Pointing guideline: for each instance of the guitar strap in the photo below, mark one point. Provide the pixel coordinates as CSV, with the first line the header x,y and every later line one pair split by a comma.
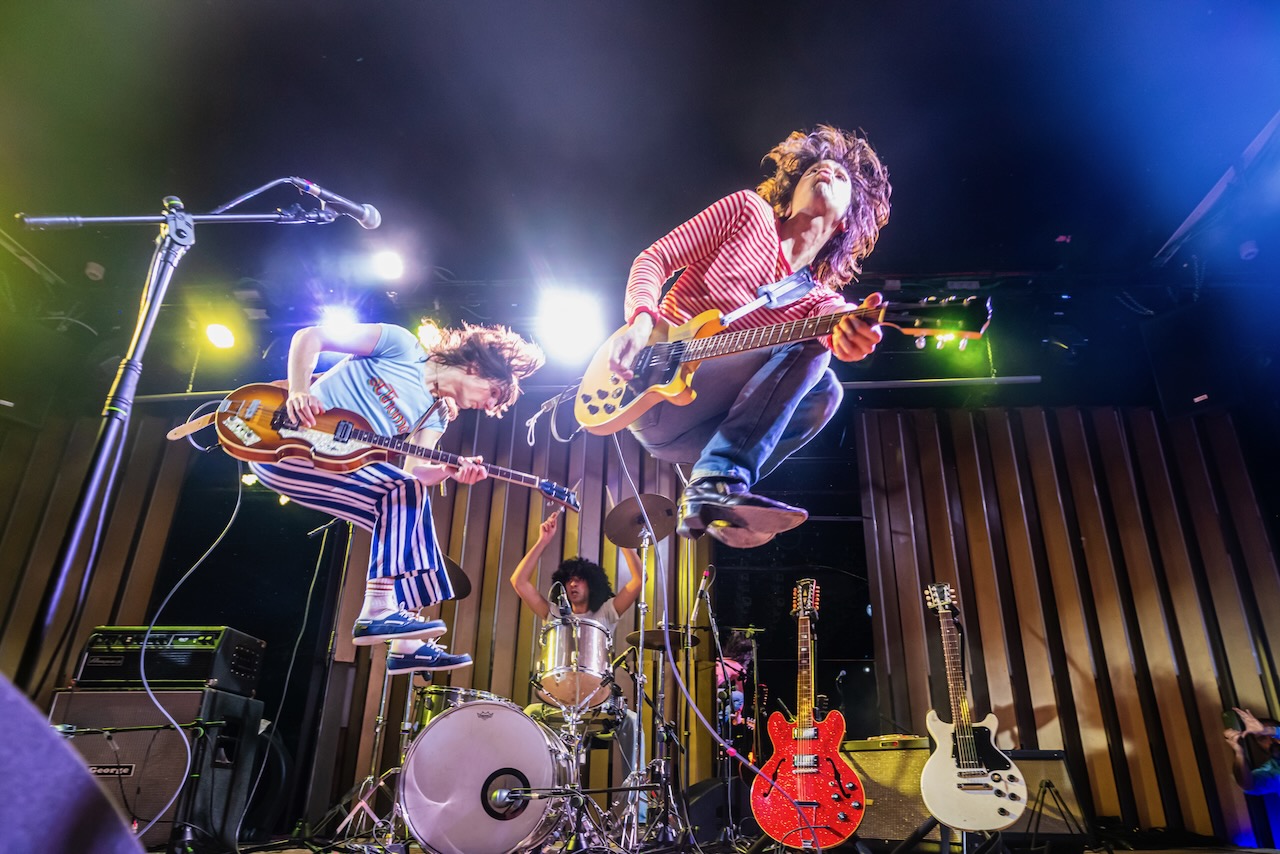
x,y
186,429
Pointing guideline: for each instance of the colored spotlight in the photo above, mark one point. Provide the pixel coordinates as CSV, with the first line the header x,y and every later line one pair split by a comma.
x,y
220,336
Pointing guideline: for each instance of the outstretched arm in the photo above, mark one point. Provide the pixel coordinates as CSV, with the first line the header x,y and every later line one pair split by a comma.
x,y
626,597
522,579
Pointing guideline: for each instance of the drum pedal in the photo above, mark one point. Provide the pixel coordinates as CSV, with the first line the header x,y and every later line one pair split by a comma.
x,y
377,847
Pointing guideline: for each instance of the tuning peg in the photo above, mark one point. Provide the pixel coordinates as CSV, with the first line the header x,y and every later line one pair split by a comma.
x,y
964,342
919,342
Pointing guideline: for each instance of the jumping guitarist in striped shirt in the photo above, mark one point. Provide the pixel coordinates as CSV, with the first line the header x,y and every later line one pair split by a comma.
x,y
820,213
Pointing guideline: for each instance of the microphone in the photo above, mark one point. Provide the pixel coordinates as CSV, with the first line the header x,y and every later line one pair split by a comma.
x,y
366,215
562,600
702,591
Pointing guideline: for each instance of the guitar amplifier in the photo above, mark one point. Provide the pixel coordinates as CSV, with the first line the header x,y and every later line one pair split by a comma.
x,y
890,769
175,658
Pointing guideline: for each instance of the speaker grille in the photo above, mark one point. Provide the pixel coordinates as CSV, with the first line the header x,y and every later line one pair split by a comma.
x,y
890,771
141,769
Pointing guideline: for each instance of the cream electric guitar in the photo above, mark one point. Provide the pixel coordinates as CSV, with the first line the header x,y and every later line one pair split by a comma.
x,y
968,783
664,368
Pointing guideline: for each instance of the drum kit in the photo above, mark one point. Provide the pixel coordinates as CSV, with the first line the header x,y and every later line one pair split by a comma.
x,y
479,775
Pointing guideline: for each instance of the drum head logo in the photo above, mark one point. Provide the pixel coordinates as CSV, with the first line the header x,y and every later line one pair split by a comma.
x,y
484,714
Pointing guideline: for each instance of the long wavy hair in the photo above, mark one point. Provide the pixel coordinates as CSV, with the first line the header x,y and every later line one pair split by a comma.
x,y
838,262
493,352
599,590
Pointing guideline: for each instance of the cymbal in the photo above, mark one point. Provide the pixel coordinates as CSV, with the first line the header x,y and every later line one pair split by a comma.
x,y
625,523
457,578
656,638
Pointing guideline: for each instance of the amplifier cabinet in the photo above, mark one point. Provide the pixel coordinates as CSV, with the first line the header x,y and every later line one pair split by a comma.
x,y
141,769
176,657
890,771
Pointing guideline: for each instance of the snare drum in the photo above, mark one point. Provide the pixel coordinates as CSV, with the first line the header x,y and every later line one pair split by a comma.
x,y
455,767
574,664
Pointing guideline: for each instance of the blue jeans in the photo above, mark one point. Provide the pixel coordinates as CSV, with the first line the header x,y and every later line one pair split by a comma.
x,y
752,411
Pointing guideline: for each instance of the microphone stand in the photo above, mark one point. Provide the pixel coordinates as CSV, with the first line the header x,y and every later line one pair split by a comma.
x,y
177,235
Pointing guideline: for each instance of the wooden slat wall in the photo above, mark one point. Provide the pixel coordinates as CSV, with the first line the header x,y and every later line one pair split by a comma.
x,y
43,473
1112,565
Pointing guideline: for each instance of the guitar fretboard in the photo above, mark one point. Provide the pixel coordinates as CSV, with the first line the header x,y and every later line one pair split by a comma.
x,y
404,446
961,716
724,343
804,679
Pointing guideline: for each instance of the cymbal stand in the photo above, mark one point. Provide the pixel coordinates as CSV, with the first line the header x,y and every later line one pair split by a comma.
x,y
668,825
631,816
364,792
725,727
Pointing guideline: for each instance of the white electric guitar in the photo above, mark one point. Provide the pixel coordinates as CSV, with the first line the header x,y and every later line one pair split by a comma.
x,y
968,783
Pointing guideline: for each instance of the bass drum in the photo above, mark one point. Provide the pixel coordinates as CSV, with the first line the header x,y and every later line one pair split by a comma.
x,y
461,759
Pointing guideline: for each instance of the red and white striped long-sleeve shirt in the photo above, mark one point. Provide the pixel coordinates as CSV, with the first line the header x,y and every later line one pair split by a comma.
x,y
727,252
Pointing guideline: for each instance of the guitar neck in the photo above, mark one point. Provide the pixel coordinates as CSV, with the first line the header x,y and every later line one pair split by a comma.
x,y
804,679
404,446
725,343
961,715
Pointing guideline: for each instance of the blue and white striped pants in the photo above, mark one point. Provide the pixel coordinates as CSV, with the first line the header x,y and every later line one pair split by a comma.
x,y
390,504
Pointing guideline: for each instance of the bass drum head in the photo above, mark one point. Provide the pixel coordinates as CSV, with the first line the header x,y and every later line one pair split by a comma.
x,y
457,763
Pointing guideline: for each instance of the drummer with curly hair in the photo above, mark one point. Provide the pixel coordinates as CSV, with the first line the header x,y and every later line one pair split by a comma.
x,y
590,597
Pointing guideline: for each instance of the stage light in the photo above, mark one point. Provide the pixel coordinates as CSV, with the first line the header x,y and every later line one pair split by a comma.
x,y
220,336
284,499
339,320
249,479
387,265
429,334
570,325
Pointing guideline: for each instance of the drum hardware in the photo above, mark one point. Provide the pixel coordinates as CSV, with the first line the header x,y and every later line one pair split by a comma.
x,y
363,794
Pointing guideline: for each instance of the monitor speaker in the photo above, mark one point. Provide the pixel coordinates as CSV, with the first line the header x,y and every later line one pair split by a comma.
x,y
141,761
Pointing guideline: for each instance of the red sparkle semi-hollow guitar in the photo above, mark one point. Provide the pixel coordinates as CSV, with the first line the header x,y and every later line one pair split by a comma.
x,y
252,425
807,763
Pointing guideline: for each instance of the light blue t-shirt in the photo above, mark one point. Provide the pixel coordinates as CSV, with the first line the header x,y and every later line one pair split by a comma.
x,y
386,386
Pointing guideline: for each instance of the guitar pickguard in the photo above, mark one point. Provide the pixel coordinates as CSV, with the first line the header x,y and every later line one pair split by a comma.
x,y
324,443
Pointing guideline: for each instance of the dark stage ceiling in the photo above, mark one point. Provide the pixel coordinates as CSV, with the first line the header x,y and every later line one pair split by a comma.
x,y
1034,147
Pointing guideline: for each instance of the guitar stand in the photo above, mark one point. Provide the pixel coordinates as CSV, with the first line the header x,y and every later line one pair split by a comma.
x,y
1036,813
917,836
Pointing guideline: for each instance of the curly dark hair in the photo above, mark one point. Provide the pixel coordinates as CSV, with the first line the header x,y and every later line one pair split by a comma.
x,y
838,261
493,352
737,647
599,589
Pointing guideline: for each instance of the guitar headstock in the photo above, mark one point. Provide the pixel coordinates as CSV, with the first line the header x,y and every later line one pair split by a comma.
x,y
804,598
562,495
938,597
946,318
